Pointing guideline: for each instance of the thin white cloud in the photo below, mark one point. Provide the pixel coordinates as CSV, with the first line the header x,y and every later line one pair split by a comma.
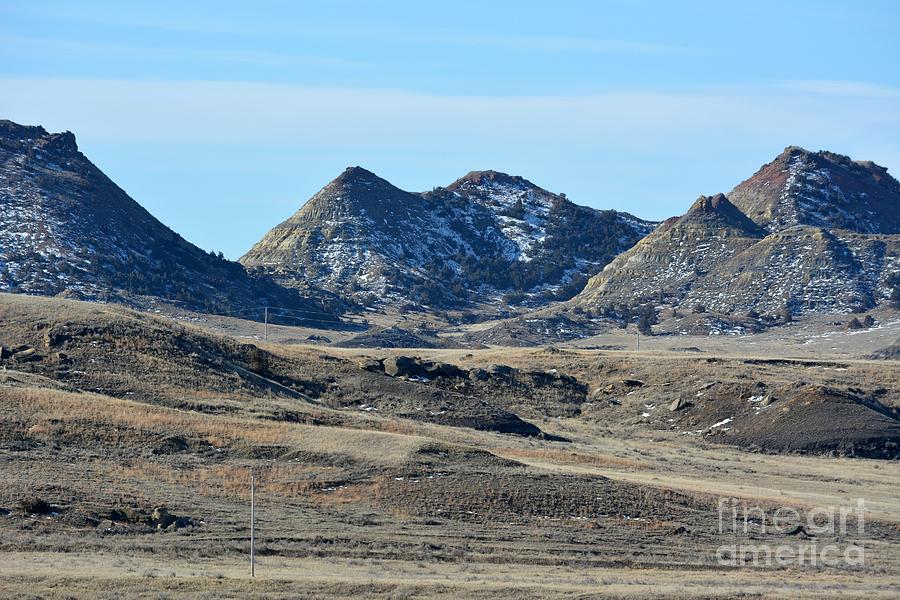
x,y
32,43
117,19
287,28
558,44
363,124
844,88
244,111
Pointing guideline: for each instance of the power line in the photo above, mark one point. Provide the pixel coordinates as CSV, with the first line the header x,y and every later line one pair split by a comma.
x,y
260,309
278,311
297,310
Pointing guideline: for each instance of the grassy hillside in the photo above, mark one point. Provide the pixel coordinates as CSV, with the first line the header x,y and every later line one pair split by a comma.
x,y
127,441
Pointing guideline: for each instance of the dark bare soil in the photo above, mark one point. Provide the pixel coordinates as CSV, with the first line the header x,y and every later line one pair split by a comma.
x,y
820,420
394,337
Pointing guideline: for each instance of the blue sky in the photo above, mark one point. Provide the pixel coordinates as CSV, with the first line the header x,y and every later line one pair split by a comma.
x,y
223,118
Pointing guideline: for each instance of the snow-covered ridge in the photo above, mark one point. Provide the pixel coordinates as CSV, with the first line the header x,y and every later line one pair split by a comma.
x,y
821,189
522,211
481,237
810,197
816,243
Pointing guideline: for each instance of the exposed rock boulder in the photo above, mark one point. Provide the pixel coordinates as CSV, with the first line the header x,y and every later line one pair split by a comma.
x,y
26,355
159,518
162,518
403,366
406,366
500,370
479,375
20,354
442,369
679,404
36,506
372,365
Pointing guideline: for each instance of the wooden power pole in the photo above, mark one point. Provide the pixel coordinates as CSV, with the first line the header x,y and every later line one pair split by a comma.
x,y
252,523
266,319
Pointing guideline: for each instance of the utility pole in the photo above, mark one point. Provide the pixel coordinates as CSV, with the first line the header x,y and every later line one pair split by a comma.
x,y
637,337
266,318
252,523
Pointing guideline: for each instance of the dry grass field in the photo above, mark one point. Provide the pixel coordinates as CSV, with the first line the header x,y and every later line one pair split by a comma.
x,y
127,441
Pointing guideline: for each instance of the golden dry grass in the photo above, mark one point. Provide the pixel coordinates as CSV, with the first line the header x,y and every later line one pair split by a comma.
x,y
230,480
277,577
55,413
566,457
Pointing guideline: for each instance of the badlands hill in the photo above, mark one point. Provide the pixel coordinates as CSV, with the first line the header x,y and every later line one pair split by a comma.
x,y
810,232
821,189
67,229
484,237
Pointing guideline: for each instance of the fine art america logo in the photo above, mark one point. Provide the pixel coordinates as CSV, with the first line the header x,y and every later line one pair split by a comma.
x,y
817,540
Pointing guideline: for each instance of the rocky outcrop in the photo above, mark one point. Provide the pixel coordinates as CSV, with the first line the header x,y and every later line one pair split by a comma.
x,y
821,189
19,354
538,392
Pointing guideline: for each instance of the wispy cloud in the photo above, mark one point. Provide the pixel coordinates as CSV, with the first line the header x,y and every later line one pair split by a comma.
x,y
558,44
236,111
210,23
254,57
644,151
365,124
292,29
843,88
